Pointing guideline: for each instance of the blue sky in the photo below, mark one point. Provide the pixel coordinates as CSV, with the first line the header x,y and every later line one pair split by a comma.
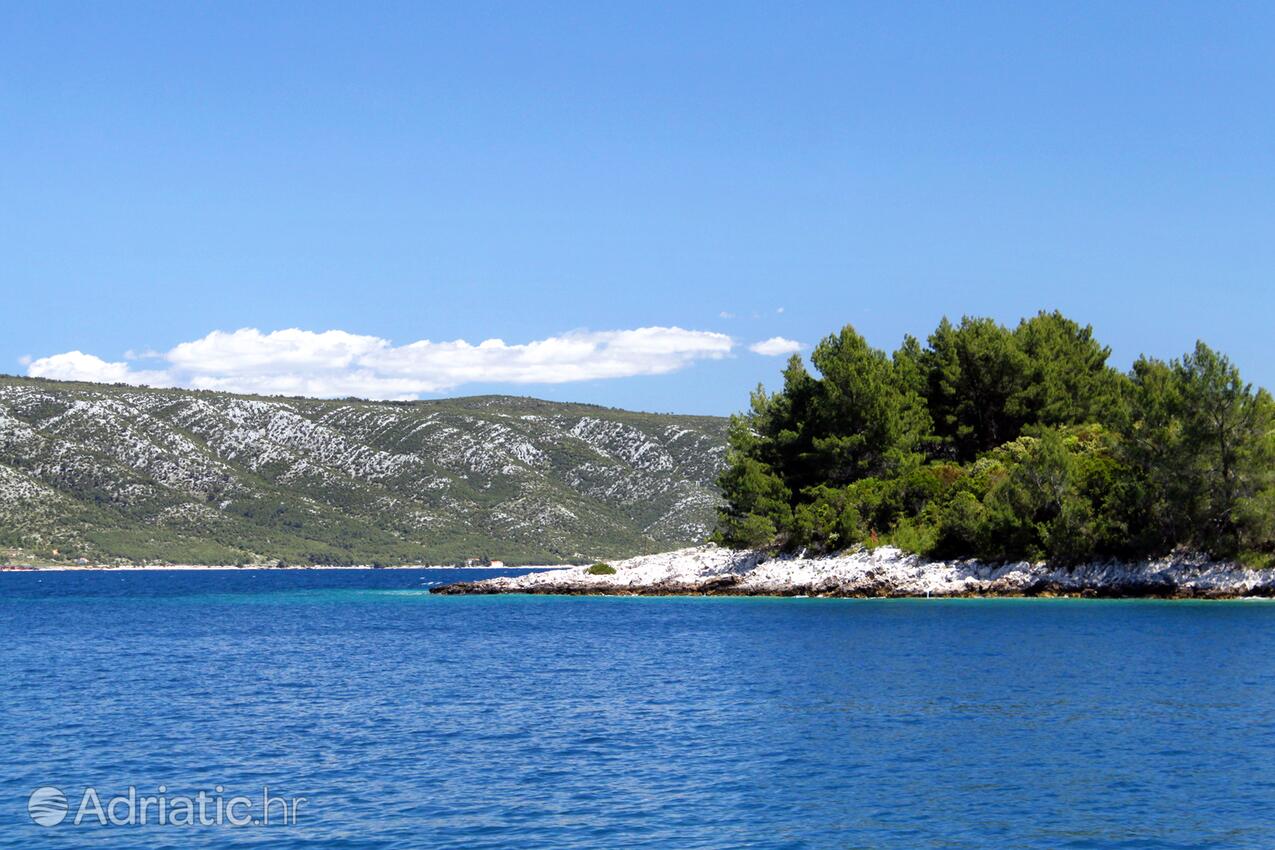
x,y
549,174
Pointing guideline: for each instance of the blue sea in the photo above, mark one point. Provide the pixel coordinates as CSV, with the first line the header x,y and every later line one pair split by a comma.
x,y
406,720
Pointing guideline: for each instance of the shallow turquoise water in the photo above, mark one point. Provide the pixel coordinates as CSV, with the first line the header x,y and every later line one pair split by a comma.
x,y
411,721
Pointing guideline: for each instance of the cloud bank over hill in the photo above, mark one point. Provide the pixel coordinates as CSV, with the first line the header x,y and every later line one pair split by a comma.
x,y
337,363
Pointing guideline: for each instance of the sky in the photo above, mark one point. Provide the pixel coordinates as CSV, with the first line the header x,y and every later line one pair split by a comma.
x,y
638,205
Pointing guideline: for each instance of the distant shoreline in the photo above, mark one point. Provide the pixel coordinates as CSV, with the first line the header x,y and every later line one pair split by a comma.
x,y
308,482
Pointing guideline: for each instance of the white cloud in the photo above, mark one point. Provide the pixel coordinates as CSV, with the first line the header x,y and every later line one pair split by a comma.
x,y
726,314
78,366
775,346
337,363
248,351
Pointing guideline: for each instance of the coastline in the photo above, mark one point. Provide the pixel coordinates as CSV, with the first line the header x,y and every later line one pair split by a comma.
x,y
33,568
884,573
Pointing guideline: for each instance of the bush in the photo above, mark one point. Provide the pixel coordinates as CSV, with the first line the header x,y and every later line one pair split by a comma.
x,y
914,535
601,569
828,522
747,532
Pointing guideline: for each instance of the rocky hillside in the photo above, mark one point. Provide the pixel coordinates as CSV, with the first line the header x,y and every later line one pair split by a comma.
x,y
124,473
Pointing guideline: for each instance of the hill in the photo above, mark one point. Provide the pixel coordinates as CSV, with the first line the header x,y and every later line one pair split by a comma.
x,y
186,476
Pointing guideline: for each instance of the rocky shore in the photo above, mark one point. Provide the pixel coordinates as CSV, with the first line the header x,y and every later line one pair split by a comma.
x,y
884,572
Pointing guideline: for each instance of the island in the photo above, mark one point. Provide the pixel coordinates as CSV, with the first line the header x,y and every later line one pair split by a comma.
x,y
986,461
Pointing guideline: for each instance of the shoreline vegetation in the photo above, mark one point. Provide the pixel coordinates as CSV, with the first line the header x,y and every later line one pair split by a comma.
x,y
1005,445
985,461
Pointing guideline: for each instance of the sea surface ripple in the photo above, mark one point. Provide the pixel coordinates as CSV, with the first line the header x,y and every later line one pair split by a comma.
x,y
412,721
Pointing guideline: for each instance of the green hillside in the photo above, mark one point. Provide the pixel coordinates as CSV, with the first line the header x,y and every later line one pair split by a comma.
x,y
121,473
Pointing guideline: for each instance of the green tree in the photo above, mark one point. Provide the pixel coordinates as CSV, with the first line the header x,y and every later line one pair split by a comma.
x,y
973,371
1225,427
1066,379
866,421
757,505
1200,440
1154,445
786,423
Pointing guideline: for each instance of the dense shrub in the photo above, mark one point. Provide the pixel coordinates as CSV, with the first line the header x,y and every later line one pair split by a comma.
x,y
601,569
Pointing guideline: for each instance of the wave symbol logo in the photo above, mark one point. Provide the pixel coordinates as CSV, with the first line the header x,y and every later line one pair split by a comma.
x,y
47,806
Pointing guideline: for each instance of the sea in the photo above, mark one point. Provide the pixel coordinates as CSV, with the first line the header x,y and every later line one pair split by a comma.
x,y
352,709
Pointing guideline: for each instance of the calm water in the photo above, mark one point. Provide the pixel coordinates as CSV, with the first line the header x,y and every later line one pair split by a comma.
x,y
411,721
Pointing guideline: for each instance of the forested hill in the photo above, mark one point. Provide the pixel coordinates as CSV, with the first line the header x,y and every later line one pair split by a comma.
x,y
117,472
